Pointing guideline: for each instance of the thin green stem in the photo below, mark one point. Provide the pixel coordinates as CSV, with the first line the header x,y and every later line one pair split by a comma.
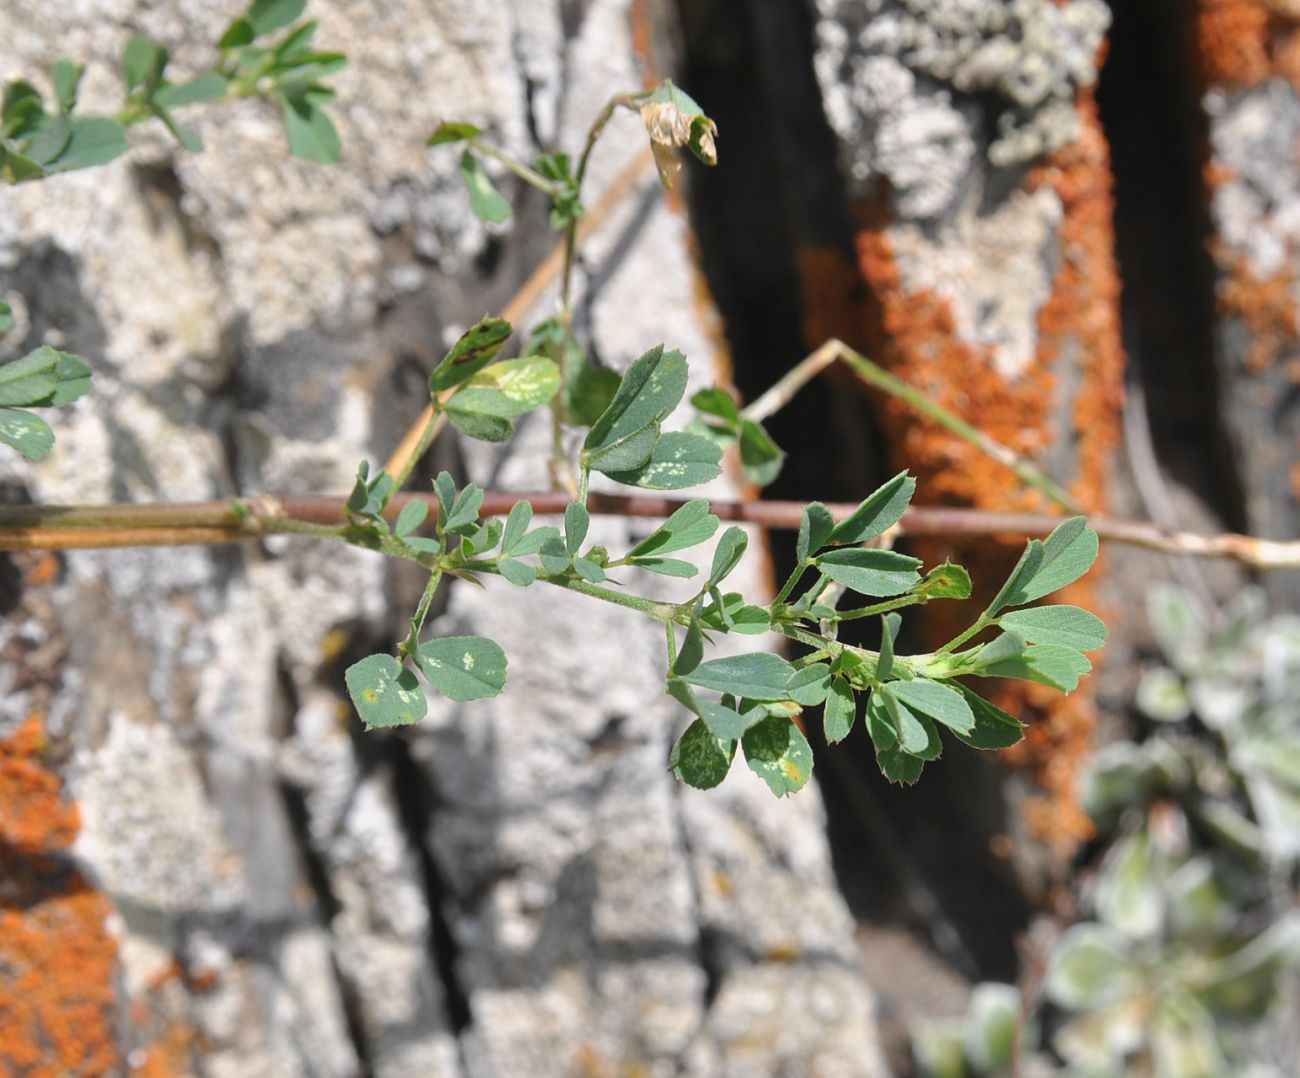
x,y
664,612
1025,471
879,608
421,612
789,585
528,175
671,636
571,230
829,648
584,481
981,623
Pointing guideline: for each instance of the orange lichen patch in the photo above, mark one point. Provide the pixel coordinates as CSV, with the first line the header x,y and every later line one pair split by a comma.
x,y
56,954
1232,38
1246,42
1266,307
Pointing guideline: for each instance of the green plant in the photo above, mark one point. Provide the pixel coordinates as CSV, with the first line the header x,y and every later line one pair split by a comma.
x,y
1190,951
36,143
750,702
614,426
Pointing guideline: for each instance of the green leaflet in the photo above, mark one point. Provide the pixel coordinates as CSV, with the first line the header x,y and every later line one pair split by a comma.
x,y
463,667
384,692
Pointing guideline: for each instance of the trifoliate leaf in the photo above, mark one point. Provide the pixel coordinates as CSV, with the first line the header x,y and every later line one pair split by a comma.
x,y
650,389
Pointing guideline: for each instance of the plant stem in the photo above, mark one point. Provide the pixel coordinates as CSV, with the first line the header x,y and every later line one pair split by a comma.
x,y
879,608
84,527
671,635
521,170
665,612
781,393
571,231
789,585
412,641
1025,471
981,623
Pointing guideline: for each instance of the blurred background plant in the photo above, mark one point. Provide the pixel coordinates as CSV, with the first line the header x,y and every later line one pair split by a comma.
x,y
1187,943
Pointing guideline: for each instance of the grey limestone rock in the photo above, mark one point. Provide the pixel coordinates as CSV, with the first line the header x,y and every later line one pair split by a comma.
x,y
516,888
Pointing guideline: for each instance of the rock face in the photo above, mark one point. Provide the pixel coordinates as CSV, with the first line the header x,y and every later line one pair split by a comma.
x,y
982,190
1248,57
517,888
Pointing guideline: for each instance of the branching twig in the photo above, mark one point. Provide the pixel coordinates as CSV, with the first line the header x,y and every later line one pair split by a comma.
x,y
33,527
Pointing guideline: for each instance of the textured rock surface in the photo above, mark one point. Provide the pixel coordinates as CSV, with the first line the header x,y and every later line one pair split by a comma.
x,y
981,184
1247,56
515,889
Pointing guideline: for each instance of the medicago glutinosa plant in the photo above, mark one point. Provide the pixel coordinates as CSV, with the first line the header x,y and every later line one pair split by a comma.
x,y
749,702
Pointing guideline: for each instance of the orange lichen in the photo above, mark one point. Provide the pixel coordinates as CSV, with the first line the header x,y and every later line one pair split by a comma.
x,y
913,332
1265,307
1242,43
56,954
1233,41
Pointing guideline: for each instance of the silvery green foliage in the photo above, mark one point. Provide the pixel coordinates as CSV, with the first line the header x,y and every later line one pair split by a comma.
x,y
749,704
1189,951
